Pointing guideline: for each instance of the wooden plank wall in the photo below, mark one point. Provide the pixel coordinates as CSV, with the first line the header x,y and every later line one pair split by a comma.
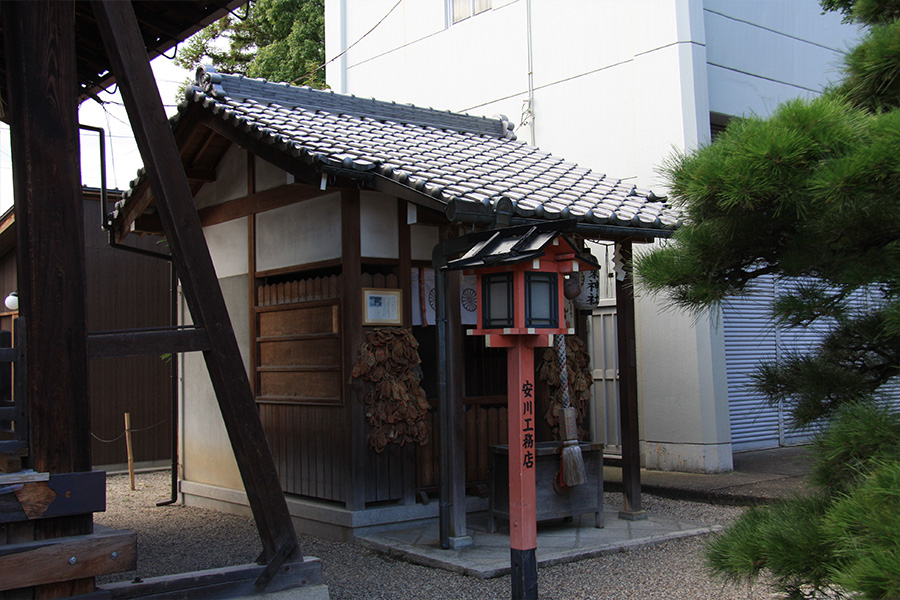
x,y
385,471
486,425
127,291
299,383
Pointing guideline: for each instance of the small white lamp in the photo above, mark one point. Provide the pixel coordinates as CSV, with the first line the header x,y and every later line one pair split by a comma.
x,y
12,301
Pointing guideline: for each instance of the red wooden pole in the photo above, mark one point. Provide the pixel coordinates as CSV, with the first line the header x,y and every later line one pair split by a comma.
x,y
522,504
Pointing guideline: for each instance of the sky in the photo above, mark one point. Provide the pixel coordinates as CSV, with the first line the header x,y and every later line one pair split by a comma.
x,y
122,157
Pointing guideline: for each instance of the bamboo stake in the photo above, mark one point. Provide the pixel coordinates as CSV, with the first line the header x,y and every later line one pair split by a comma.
x,y
130,451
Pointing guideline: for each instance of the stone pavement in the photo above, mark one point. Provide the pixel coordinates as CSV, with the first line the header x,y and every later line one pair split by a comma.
x,y
557,542
759,477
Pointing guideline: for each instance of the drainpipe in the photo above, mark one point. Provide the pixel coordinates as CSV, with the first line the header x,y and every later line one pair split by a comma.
x,y
106,223
438,260
530,69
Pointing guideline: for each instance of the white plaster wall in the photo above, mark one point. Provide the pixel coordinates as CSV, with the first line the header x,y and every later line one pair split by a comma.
x,y
227,244
309,231
206,453
231,180
269,176
423,239
681,373
378,225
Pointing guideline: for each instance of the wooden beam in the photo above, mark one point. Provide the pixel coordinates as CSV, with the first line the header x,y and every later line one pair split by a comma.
x,y
206,175
628,400
241,207
393,188
114,344
63,559
455,418
121,36
62,494
225,582
263,150
259,202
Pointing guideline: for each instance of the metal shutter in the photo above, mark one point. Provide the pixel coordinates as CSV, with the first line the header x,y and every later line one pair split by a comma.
x,y
750,338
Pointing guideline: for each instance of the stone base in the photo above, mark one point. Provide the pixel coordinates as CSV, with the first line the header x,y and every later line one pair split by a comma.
x,y
687,458
324,519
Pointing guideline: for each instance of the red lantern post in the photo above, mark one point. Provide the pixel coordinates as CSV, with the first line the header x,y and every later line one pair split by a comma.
x,y
520,299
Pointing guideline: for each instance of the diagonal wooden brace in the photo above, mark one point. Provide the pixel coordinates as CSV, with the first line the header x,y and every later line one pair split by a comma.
x,y
122,39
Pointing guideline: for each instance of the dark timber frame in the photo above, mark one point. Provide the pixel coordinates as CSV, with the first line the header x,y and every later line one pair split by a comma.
x,y
43,53
42,86
121,37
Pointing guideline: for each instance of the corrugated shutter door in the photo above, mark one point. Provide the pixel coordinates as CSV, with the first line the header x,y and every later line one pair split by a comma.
x,y
800,340
750,337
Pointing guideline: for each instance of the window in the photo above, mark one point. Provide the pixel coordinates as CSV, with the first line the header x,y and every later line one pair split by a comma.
x,y
541,301
497,293
463,9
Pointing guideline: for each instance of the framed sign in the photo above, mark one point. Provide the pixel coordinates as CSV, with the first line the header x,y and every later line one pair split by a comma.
x,y
382,306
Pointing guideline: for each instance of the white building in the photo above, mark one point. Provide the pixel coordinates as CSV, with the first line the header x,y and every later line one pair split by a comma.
x,y
616,85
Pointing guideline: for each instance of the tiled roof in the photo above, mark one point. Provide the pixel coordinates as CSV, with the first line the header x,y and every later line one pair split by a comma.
x,y
445,156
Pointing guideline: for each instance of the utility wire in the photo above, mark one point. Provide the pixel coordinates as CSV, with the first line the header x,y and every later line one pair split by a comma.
x,y
347,49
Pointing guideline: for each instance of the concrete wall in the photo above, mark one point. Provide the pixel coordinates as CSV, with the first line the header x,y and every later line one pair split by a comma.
x,y
760,54
616,87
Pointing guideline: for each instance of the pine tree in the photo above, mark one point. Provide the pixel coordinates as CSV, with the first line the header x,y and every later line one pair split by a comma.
x,y
812,195
279,40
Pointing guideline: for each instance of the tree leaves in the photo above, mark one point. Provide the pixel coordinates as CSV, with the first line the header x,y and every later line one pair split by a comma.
x,y
280,40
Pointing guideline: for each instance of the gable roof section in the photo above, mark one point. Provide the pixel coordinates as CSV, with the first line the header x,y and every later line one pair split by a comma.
x,y
431,157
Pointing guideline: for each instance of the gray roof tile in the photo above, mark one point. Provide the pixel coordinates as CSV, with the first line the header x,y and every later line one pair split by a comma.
x,y
446,155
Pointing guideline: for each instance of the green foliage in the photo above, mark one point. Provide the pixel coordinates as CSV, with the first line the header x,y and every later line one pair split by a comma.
x,y
786,541
861,436
865,527
845,537
867,12
280,40
872,80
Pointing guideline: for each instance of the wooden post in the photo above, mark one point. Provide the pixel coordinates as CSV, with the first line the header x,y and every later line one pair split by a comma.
x,y
628,404
123,42
455,431
522,503
42,83
129,450
352,334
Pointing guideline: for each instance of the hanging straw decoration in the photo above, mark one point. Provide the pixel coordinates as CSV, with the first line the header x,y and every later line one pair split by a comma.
x,y
572,463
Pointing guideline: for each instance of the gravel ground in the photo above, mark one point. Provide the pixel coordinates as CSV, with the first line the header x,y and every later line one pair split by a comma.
x,y
177,539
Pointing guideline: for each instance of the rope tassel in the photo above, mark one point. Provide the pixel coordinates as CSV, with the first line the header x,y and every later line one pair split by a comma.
x,y
572,463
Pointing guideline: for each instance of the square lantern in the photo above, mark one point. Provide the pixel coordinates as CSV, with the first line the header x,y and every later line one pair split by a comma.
x,y
520,280
520,307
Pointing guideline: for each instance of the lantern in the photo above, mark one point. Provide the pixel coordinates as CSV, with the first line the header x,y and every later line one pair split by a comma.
x,y
520,272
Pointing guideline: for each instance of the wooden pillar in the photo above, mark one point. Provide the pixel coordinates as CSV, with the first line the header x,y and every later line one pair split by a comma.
x,y
404,278
456,431
352,332
42,111
522,459
128,58
628,401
